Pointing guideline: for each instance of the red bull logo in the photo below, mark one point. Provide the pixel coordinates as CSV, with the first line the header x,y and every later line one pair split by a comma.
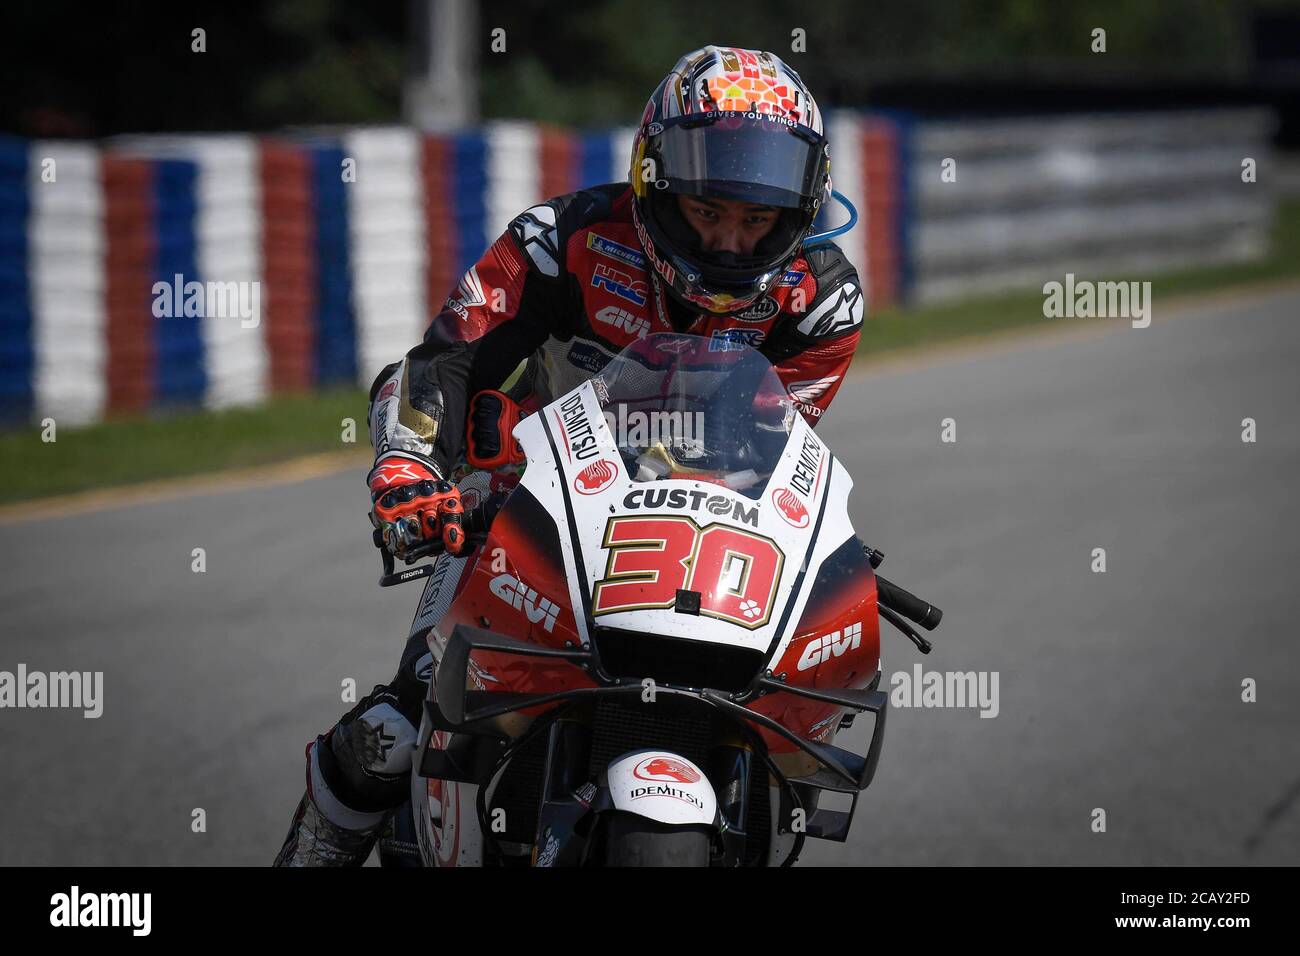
x,y
666,768
790,507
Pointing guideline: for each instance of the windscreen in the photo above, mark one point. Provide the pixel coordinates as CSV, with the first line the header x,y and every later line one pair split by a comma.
x,y
702,409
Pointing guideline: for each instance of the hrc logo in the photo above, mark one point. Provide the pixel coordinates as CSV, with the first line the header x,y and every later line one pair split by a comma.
x,y
620,283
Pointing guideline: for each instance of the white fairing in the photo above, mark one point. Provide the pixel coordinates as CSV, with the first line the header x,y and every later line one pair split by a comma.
x,y
803,512
662,786
445,814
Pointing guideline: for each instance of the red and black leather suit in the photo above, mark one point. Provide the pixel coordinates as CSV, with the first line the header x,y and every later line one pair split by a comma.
x,y
566,287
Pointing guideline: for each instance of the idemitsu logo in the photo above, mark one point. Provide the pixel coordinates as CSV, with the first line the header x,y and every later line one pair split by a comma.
x,y
666,768
578,433
596,477
790,507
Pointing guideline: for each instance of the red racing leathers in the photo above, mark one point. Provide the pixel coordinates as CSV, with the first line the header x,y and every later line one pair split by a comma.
x,y
566,287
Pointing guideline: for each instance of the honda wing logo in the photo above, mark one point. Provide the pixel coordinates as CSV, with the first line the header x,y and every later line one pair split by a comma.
x,y
812,389
469,294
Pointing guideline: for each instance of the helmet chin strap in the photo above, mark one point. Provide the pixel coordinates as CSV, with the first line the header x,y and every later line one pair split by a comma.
x,y
661,307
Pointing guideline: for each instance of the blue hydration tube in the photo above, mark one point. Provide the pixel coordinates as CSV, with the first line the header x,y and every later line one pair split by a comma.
x,y
822,237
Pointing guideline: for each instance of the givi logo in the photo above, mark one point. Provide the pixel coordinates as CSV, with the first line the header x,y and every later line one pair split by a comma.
x,y
834,644
666,768
523,598
596,477
791,508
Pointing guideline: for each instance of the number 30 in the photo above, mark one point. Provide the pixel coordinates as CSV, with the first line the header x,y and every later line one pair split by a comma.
x,y
650,559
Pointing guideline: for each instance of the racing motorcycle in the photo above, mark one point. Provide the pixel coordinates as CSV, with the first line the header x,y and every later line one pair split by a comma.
x,y
662,628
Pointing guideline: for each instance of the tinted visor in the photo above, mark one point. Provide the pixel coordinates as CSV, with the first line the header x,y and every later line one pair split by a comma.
x,y
735,156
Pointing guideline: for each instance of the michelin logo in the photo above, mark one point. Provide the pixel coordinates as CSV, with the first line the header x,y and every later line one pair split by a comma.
x,y
615,250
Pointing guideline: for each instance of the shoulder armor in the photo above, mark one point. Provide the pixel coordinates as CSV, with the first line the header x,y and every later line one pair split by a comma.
x,y
541,232
837,308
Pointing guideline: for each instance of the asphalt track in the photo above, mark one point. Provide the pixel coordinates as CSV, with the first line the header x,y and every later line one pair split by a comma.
x,y
1119,691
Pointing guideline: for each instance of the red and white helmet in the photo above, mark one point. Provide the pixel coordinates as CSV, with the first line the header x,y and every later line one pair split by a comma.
x,y
728,124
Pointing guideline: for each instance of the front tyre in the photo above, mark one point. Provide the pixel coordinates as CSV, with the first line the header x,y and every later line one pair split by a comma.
x,y
632,840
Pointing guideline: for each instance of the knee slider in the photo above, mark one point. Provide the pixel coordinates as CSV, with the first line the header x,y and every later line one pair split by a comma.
x,y
368,759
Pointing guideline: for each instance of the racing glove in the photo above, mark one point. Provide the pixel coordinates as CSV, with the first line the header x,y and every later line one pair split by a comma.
x,y
489,439
411,505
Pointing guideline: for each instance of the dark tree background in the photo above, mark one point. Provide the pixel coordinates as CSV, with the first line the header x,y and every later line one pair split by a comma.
x,y
89,69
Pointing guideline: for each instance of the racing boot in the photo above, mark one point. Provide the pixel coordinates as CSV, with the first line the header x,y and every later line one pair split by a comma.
x,y
356,775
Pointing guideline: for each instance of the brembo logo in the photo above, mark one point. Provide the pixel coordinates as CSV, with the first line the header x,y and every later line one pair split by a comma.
x,y
666,768
523,598
835,644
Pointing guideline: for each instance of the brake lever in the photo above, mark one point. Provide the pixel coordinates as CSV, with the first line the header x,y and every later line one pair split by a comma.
x,y
391,575
434,548
475,526
921,643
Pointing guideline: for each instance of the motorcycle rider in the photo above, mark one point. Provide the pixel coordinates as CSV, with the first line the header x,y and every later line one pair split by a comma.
x,y
729,168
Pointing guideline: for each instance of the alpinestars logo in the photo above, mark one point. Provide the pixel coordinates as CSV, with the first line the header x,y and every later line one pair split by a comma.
x,y
534,230
523,598
839,313
834,644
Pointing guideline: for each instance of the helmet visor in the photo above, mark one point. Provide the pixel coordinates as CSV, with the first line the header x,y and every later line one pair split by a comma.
x,y
738,156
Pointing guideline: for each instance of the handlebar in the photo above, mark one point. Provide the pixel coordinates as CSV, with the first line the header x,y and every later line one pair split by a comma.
x,y
474,522
907,604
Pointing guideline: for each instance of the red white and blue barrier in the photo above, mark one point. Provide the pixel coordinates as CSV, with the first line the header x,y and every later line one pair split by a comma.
x,y
346,243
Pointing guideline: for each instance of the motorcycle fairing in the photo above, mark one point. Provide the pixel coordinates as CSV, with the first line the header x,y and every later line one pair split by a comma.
x,y
803,513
